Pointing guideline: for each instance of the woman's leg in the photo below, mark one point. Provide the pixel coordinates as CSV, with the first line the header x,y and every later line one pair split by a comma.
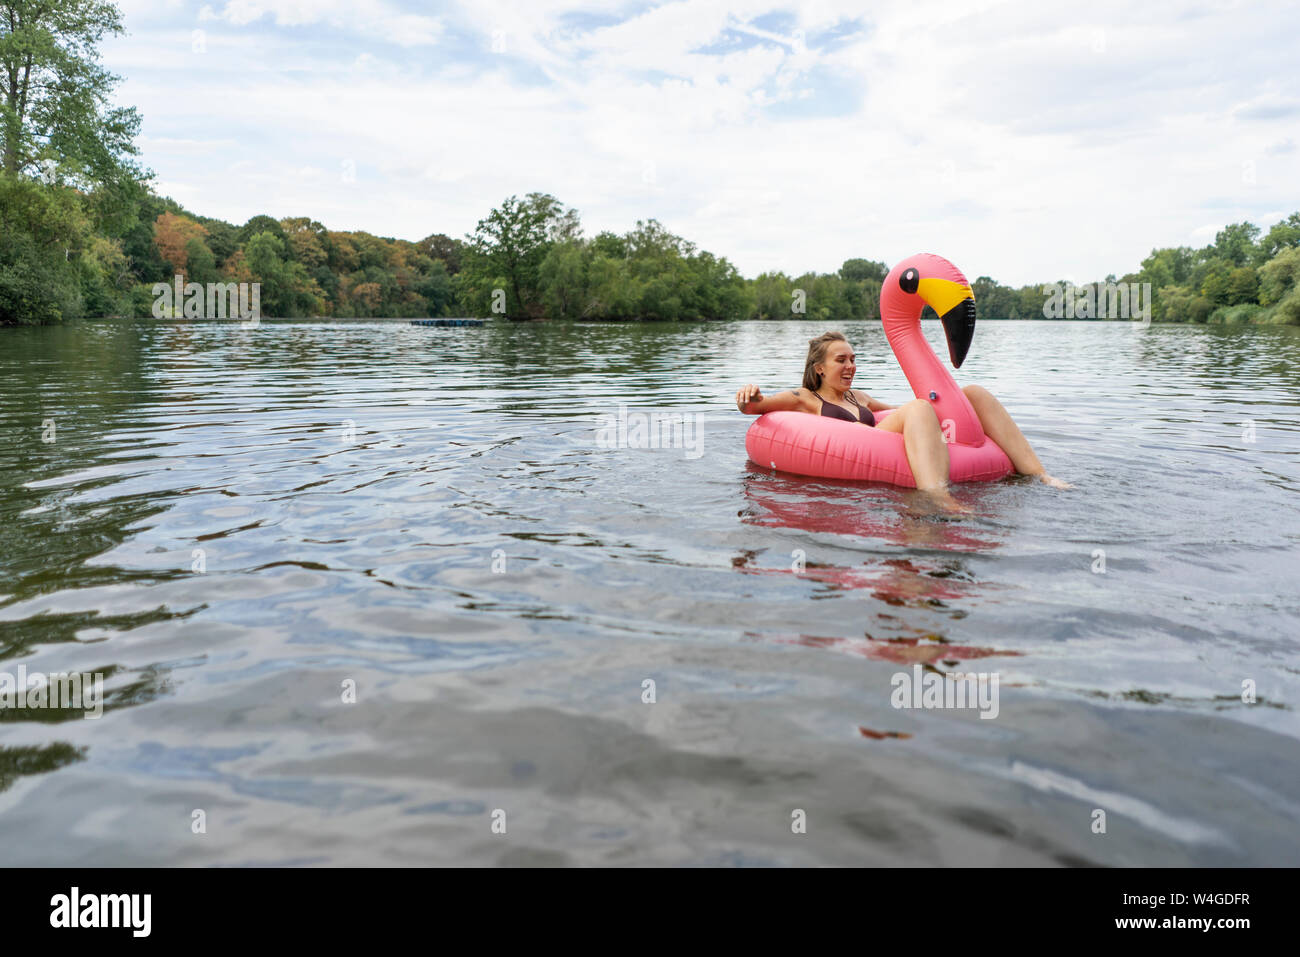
x,y
927,453
1002,429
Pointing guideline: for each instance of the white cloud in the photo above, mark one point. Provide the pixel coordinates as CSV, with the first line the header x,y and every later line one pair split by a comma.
x,y
1018,143
369,18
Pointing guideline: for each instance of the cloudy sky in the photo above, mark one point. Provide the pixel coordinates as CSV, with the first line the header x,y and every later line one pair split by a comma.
x,y
1028,141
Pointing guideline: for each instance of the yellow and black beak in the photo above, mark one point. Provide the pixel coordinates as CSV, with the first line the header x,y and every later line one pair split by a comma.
x,y
955,304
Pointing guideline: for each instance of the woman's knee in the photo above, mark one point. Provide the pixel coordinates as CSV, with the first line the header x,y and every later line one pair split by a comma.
x,y
974,391
921,411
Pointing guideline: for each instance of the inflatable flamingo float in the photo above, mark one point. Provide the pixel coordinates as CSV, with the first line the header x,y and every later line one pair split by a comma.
x,y
833,448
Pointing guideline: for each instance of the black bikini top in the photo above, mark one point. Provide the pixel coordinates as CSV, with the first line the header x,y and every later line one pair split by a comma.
x,y
830,408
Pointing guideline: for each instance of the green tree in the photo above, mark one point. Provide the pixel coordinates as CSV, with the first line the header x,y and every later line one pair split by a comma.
x,y
610,245
612,292
868,299
105,278
1236,243
286,289
143,256
40,228
1283,235
993,300
1165,267
563,279
262,224
1243,286
201,265
222,238
774,296
66,164
1180,304
56,119
306,241
1214,287
434,286
1279,276
509,245
442,247
861,270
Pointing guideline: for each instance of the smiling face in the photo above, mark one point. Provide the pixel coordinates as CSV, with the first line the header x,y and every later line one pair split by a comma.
x,y
840,366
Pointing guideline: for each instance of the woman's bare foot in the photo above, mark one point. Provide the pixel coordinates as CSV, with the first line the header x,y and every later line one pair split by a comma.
x,y
1052,481
941,497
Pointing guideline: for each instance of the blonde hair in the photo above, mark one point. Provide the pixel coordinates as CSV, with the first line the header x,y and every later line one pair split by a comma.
x,y
817,353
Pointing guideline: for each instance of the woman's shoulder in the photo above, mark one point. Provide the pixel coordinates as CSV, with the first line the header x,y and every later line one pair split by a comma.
x,y
807,397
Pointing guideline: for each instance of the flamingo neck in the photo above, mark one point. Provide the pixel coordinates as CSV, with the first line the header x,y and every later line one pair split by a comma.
x,y
928,377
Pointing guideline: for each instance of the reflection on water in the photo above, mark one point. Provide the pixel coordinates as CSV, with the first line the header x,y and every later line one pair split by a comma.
x,y
353,586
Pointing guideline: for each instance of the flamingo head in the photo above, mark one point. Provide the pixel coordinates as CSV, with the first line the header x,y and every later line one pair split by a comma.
x,y
929,280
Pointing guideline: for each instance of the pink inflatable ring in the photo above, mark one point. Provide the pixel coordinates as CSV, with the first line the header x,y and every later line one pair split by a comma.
x,y
826,447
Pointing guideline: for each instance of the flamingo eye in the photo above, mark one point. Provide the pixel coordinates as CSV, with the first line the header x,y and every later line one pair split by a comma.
x,y
910,281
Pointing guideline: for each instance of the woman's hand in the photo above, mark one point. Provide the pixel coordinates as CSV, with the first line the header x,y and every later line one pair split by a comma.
x,y
747,394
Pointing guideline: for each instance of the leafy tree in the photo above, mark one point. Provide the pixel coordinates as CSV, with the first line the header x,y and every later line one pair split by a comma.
x,y
1280,276
138,245
994,301
1243,286
222,238
372,252
610,245
172,234
368,296
1214,287
286,289
307,242
57,125
261,224
1164,267
1236,243
773,296
442,247
862,270
612,292
868,299
563,278
201,265
40,227
104,277
1283,235
56,119
509,245
1180,304
435,287
343,257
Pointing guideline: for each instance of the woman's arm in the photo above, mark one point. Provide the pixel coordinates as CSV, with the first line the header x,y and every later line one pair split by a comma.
x,y
751,401
874,405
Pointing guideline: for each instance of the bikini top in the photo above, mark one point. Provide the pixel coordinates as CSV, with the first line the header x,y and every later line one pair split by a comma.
x,y
835,411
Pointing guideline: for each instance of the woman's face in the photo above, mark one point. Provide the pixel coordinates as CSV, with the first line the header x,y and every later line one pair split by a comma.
x,y
839,368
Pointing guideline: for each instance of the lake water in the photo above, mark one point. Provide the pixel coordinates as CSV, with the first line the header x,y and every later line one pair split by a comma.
x,y
245,530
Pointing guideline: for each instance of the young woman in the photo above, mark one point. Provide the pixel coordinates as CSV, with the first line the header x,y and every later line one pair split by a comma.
x,y
827,390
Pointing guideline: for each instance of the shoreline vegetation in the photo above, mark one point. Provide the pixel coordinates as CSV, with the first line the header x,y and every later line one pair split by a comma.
x,y
60,257
82,234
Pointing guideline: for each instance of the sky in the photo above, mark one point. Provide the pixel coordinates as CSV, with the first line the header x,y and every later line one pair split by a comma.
x,y
1026,141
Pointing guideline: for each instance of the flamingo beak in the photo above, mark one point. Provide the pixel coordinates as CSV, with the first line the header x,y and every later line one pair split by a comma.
x,y
955,305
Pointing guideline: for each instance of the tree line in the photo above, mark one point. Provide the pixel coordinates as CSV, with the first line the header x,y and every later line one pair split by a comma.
x,y
83,234
1245,275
